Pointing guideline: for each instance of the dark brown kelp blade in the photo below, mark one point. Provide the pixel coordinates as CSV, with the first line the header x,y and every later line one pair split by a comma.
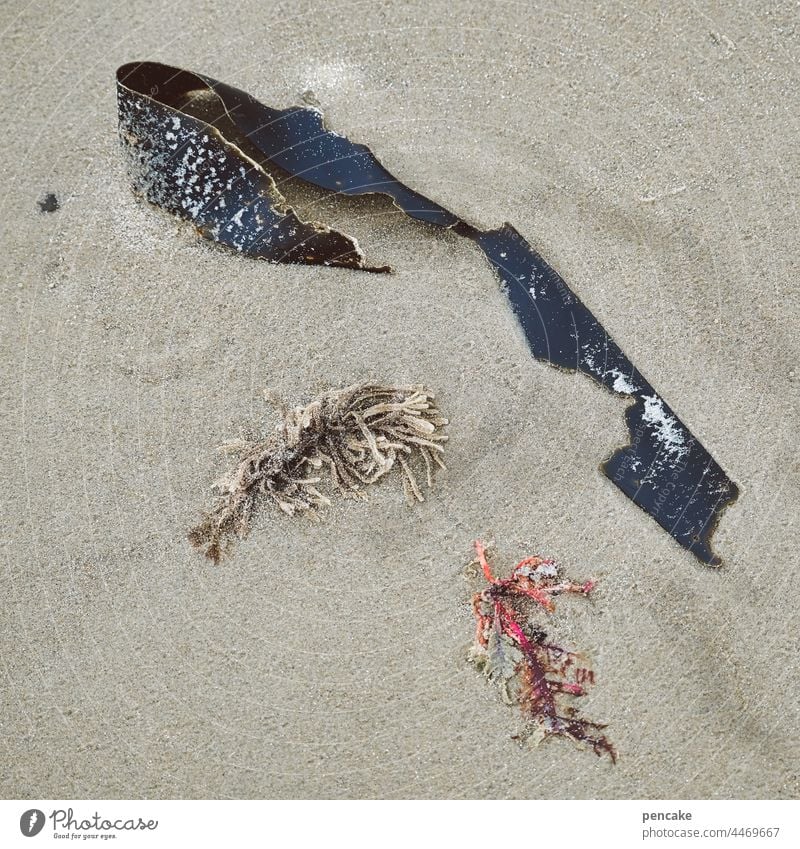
x,y
170,118
184,158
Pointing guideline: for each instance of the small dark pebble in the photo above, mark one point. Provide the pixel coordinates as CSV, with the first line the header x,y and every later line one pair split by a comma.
x,y
49,203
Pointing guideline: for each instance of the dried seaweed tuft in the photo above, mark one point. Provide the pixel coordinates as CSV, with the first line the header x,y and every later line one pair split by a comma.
x,y
539,676
355,435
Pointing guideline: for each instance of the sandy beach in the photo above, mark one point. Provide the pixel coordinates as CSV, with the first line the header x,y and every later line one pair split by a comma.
x,y
650,154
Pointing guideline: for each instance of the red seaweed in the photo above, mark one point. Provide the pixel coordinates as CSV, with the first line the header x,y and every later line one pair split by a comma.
x,y
541,677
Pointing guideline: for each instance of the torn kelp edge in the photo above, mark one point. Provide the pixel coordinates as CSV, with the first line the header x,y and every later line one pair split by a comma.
x,y
183,164
664,469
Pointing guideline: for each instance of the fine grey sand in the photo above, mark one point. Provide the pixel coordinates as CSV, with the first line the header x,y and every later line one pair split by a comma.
x,y
649,151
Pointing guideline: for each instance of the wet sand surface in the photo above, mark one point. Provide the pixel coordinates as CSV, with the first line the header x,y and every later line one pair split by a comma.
x,y
650,156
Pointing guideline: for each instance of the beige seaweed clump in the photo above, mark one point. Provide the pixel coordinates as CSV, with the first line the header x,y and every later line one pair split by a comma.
x,y
352,436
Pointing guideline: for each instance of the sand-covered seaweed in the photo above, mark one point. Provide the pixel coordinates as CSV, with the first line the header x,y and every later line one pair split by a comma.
x,y
351,437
